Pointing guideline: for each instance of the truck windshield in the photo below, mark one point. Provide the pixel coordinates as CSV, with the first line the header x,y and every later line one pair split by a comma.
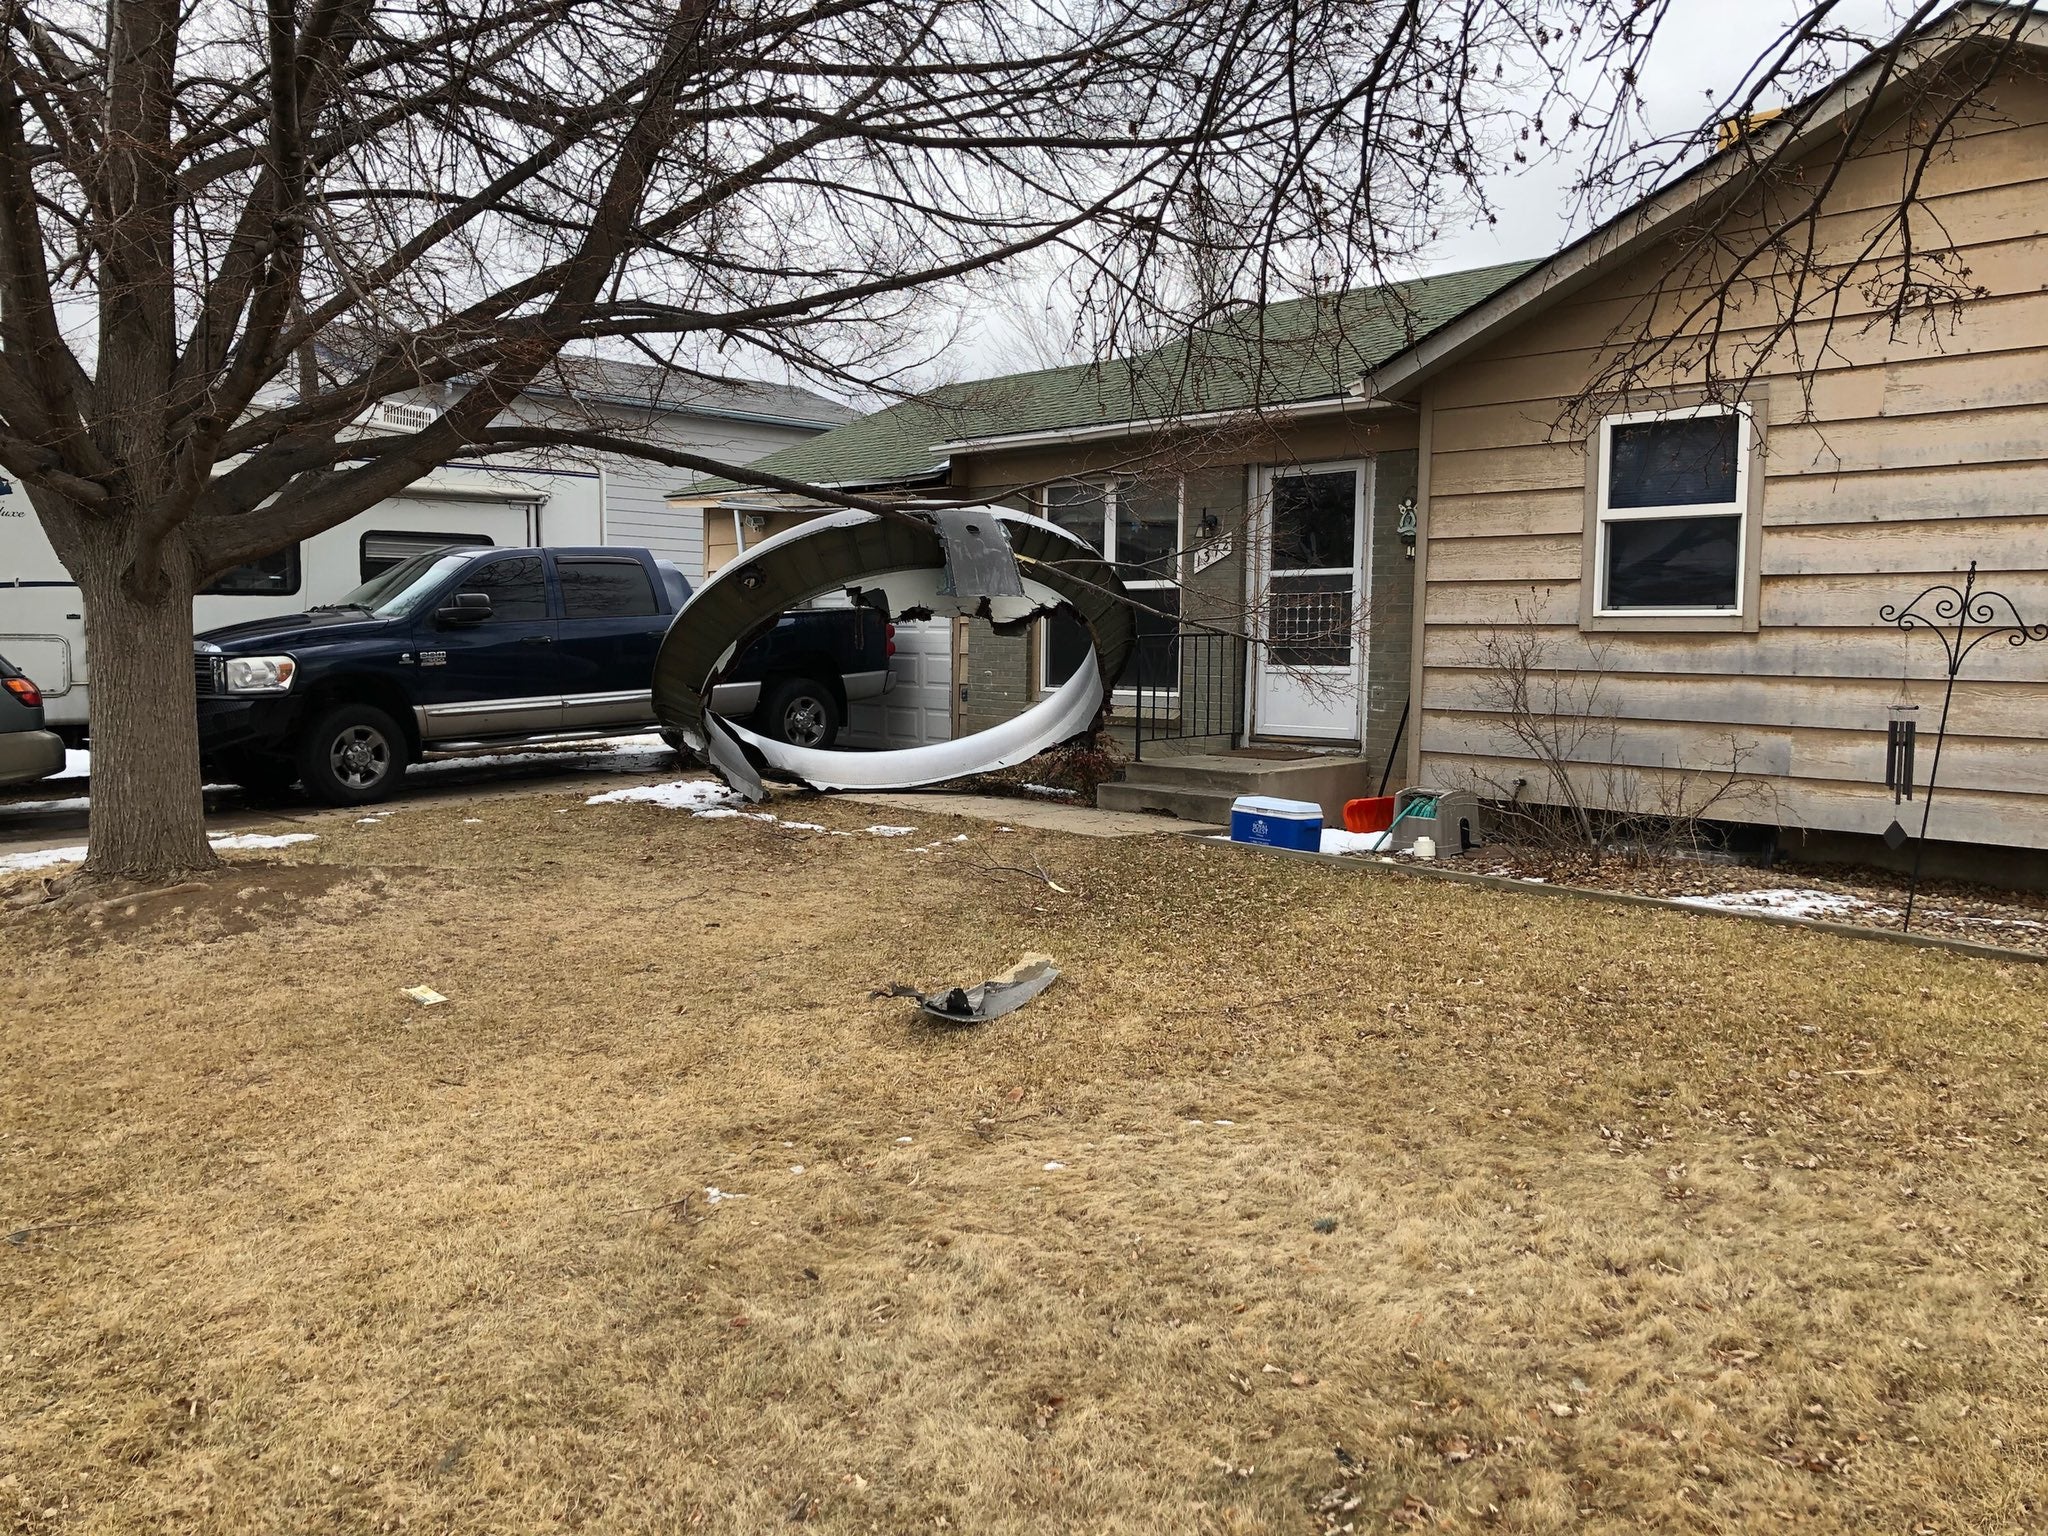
x,y
397,592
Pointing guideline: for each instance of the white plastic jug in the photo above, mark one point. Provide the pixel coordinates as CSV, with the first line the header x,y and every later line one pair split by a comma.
x,y
1425,848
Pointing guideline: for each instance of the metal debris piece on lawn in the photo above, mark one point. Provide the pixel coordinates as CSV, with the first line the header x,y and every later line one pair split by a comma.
x,y
985,1000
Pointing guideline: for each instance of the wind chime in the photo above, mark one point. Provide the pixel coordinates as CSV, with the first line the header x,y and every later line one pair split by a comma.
x,y
1961,618
1902,729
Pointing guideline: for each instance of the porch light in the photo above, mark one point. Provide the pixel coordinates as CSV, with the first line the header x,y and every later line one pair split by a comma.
x,y
1405,527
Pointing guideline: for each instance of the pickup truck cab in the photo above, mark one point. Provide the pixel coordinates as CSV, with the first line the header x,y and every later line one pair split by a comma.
x,y
476,649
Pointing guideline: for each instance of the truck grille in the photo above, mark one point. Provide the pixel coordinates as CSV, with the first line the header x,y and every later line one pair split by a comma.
x,y
207,675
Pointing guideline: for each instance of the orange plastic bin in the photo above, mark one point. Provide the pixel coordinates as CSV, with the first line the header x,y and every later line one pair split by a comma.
x,y
1375,813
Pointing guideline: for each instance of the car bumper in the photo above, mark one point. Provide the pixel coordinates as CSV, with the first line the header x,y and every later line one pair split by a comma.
x,y
26,755
259,724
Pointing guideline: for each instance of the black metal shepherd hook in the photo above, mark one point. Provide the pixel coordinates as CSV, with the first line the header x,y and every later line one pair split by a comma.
x,y
1961,618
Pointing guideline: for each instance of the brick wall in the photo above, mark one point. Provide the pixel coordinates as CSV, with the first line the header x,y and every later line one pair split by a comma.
x,y
1393,608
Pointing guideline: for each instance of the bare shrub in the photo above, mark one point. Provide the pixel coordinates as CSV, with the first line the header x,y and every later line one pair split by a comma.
x,y
1581,798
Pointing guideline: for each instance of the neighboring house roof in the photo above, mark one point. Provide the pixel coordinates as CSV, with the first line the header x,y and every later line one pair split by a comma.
x,y
647,386
1257,358
1722,177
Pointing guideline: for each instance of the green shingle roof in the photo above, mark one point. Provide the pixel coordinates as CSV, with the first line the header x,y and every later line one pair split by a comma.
x,y
1278,354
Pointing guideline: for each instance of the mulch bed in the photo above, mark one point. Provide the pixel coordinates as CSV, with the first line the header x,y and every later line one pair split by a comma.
x,y
1866,897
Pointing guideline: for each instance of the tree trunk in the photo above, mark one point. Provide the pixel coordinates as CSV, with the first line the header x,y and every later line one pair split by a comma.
x,y
148,817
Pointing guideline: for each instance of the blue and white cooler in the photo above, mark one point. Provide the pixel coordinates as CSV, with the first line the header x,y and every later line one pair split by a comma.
x,y
1275,823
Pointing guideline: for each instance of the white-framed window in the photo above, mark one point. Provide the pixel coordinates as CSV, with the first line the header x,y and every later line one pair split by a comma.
x,y
1671,512
1136,526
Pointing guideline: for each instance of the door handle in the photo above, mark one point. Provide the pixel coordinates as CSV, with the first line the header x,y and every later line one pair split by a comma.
x,y
535,640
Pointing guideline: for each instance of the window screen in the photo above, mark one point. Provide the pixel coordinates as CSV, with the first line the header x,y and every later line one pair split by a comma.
x,y
515,585
1080,509
273,576
605,589
1315,521
1147,529
1155,664
382,549
1674,562
1687,461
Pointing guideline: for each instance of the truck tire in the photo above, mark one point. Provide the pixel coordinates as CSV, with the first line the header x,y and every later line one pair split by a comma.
x,y
802,712
352,754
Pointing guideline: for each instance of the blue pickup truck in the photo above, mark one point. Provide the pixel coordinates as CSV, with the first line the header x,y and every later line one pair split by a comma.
x,y
477,649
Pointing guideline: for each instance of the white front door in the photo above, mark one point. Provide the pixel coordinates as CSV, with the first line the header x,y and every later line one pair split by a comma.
x,y
1309,598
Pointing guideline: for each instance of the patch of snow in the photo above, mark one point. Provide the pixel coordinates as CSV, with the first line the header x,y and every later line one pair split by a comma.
x,y
1047,789
1995,922
1786,901
796,1167
959,839
1337,840
714,1195
40,858
681,795
890,831
472,821
77,764
1054,1167
904,1141
803,826
78,803
261,839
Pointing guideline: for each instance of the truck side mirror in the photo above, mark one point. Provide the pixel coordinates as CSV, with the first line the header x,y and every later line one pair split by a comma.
x,y
465,608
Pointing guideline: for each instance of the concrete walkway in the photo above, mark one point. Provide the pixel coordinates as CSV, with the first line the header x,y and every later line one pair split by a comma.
x,y
1042,815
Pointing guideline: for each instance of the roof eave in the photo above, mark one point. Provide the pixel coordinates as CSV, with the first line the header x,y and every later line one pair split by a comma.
x,y
1105,431
907,481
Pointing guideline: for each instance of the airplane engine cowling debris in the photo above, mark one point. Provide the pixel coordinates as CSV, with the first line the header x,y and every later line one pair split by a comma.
x,y
1007,567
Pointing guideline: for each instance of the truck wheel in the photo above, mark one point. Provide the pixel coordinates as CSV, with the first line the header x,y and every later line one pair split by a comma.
x,y
801,712
354,753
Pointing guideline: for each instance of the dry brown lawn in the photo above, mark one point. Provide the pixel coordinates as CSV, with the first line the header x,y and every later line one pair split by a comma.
x,y
1308,1200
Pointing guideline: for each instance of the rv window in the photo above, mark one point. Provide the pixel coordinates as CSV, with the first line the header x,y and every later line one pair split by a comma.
x,y
273,576
605,589
382,549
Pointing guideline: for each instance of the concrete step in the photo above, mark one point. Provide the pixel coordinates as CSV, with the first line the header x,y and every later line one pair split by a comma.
x,y
1207,806
1217,780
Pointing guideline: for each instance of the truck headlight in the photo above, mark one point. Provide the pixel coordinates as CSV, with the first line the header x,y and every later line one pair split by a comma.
x,y
260,674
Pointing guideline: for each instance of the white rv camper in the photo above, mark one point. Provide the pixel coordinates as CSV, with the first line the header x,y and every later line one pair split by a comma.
x,y
511,500
506,501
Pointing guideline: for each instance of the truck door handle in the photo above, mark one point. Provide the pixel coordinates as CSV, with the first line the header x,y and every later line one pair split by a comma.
x,y
535,640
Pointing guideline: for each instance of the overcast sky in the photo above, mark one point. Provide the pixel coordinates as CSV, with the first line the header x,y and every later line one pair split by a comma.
x,y
1700,55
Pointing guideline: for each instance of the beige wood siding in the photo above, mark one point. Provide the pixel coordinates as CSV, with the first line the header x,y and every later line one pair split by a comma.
x,y
1892,461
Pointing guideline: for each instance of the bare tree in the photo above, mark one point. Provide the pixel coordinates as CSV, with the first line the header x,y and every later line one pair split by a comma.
x,y
227,231
1756,274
